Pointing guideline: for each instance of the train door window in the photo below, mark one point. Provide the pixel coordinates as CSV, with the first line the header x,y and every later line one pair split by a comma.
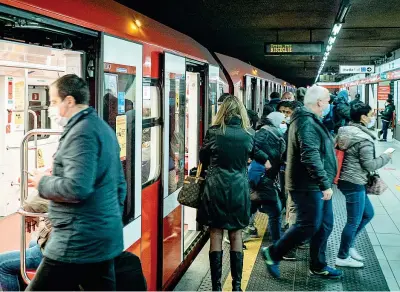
x,y
151,134
248,92
214,93
122,87
26,71
191,147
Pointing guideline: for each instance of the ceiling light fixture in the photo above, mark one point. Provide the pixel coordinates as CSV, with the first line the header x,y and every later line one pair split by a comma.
x,y
340,18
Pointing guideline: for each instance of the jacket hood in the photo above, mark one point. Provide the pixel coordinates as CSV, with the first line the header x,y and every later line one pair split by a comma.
x,y
342,97
352,134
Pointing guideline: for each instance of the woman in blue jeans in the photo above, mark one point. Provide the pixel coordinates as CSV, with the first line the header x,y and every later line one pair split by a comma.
x,y
360,160
10,266
269,149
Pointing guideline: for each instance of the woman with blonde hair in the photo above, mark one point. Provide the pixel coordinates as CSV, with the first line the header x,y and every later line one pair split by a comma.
x,y
226,203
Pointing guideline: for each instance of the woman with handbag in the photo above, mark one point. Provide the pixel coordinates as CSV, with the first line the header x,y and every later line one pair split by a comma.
x,y
359,162
225,203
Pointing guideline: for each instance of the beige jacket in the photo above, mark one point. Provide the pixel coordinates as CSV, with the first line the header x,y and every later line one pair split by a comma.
x,y
40,205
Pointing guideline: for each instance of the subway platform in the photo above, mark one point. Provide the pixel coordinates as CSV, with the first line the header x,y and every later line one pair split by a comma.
x,y
379,243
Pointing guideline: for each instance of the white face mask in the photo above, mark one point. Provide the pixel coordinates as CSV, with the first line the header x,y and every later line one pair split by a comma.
x,y
371,123
283,128
54,115
287,120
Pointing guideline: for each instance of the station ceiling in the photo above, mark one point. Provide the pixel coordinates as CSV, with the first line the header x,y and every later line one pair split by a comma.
x,y
239,28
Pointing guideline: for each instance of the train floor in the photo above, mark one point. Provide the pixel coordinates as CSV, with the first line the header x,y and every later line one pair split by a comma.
x,y
379,243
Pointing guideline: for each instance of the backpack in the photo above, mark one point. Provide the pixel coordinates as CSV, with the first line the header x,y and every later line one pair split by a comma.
x,y
128,273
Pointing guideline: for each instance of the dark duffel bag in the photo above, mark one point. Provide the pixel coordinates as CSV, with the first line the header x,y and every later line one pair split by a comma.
x,y
128,273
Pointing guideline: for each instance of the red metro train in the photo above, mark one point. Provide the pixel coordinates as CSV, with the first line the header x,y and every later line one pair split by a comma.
x,y
156,87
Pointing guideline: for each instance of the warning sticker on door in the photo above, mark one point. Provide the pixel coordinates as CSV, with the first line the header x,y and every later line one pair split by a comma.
x,y
120,130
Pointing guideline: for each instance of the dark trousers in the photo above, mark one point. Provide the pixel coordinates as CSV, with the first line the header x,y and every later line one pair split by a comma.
x,y
58,276
274,211
359,213
314,221
385,127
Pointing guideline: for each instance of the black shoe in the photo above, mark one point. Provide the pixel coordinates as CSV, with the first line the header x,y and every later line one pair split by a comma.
x,y
382,140
290,256
216,269
236,270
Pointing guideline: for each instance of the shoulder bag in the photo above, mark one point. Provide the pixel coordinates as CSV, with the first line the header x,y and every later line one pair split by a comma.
x,y
192,189
375,185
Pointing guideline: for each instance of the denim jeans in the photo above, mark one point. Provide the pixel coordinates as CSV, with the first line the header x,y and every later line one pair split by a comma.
x,y
314,223
273,209
10,266
385,127
359,213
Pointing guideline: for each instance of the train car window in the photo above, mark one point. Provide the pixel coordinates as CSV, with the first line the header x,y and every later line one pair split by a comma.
x,y
151,149
177,87
213,92
38,97
151,134
119,113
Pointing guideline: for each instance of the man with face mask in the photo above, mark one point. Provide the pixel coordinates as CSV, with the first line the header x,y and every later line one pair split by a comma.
x,y
311,169
86,191
387,117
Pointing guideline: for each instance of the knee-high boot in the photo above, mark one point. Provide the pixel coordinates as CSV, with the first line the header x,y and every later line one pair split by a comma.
x,y
216,269
236,270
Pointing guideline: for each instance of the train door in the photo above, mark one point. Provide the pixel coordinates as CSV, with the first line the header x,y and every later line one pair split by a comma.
x,y
397,104
173,162
248,92
214,87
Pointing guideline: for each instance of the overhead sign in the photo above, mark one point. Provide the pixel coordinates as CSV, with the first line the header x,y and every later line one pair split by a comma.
x,y
279,49
344,69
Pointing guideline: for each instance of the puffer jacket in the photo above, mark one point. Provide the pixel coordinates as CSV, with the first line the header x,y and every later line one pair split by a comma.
x,y
311,160
269,145
358,144
342,110
387,114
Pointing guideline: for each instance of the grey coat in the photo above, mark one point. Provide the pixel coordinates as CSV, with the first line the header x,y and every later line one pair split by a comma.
x,y
86,191
358,144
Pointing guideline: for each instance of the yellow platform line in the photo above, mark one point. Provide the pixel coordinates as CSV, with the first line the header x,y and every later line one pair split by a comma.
x,y
250,254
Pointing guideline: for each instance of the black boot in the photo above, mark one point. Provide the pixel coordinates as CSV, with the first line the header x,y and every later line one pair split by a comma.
x,y
216,269
236,270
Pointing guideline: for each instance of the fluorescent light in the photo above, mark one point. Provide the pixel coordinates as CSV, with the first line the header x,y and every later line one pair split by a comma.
x,y
325,58
331,40
327,54
336,28
329,48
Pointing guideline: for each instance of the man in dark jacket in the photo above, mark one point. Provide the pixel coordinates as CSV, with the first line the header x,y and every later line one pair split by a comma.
x,y
86,191
300,93
387,117
341,110
355,100
311,169
275,98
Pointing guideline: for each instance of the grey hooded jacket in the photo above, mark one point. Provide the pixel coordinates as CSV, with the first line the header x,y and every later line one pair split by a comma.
x,y
358,144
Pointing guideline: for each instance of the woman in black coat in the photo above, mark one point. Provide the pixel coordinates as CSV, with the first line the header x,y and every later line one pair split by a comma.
x,y
226,202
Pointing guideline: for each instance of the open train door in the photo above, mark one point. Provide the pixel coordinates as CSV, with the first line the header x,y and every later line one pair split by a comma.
x,y
173,165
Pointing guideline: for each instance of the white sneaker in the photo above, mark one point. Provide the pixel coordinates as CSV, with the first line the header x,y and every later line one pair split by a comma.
x,y
349,262
355,255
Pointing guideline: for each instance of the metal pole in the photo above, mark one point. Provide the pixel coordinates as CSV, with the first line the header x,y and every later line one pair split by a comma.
x,y
24,192
35,125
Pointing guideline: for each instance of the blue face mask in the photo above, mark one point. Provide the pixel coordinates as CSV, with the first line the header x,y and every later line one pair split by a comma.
x,y
326,111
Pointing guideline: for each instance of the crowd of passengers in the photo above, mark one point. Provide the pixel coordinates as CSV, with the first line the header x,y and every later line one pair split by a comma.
x,y
283,161
287,161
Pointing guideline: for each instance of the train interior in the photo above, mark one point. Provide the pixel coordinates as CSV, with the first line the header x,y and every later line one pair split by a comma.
x,y
195,98
32,56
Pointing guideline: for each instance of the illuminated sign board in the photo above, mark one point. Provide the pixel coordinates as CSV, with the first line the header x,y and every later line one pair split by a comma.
x,y
345,69
279,49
